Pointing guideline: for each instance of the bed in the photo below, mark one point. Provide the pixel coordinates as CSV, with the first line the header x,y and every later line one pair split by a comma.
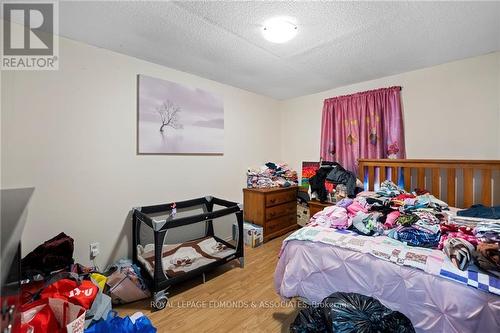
x,y
430,292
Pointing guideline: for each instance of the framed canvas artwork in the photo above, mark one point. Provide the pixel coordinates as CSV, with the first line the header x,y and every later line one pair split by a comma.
x,y
176,119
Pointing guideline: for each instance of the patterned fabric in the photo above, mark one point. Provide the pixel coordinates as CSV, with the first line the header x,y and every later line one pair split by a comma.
x,y
469,238
428,217
362,125
389,189
459,251
407,220
415,237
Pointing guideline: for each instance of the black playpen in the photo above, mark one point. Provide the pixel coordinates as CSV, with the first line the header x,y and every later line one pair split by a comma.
x,y
176,241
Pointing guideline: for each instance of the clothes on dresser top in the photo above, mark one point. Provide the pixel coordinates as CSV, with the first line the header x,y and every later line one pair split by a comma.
x,y
271,175
481,212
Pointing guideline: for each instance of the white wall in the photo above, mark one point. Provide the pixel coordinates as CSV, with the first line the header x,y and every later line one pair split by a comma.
x,y
72,134
450,111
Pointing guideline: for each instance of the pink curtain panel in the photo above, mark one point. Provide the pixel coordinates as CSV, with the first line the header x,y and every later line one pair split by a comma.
x,y
363,125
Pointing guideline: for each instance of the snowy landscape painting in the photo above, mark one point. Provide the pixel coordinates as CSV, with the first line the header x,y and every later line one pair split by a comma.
x,y
175,119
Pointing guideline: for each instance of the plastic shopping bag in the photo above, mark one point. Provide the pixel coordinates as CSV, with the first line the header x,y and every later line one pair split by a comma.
x,y
99,280
137,323
52,315
68,286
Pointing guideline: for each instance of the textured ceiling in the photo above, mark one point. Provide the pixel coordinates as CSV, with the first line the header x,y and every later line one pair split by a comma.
x,y
338,43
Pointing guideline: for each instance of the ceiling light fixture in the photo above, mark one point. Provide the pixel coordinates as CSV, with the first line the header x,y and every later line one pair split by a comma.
x,y
279,29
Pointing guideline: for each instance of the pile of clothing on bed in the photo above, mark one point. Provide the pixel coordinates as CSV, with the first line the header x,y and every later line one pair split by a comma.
x,y
271,175
420,219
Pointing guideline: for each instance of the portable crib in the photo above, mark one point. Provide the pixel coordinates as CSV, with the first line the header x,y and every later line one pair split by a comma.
x,y
176,241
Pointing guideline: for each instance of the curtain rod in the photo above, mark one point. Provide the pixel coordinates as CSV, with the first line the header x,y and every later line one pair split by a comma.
x,y
398,88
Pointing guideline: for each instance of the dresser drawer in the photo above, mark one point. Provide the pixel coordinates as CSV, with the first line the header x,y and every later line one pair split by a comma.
x,y
281,210
273,199
280,223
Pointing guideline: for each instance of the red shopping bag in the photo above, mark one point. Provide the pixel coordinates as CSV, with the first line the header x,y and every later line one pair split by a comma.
x,y
38,317
52,315
80,293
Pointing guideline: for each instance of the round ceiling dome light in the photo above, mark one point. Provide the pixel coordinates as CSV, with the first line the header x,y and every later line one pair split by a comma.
x,y
279,29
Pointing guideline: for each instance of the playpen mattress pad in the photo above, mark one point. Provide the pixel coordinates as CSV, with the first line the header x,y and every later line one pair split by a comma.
x,y
178,259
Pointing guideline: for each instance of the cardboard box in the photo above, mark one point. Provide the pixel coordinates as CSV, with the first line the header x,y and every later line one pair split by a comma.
x,y
253,235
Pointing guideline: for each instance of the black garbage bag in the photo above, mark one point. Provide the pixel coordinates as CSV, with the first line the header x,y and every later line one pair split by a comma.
x,y
309,320
355,313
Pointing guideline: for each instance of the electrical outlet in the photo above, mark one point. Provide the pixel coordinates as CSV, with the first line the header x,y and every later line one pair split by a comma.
x,y
94,250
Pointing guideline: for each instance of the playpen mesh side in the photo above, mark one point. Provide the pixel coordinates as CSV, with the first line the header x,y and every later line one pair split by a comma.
x,y
191,246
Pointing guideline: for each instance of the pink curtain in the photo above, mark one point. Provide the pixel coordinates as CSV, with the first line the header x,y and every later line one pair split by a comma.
x,y
363,125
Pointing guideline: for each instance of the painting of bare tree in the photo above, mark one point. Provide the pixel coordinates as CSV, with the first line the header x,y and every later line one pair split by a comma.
x,y
175,119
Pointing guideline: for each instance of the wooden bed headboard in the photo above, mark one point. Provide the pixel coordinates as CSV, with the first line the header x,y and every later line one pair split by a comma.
x,y
460,183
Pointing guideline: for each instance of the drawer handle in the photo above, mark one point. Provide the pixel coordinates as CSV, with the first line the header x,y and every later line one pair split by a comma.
x,y
272,201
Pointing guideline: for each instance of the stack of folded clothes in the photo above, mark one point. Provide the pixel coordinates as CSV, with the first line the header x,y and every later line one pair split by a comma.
x,y
271,175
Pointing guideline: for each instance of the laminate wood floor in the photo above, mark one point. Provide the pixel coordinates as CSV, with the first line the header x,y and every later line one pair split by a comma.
x,y
232,299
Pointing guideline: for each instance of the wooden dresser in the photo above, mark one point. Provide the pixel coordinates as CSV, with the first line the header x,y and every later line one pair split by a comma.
x,y
275,209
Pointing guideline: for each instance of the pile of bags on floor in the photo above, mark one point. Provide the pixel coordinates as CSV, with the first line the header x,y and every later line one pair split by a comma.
x,y
350,313
420,219
271,175
60,296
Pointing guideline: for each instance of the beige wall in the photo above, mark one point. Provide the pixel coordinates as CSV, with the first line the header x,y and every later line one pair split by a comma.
x,y
72,134
450,111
